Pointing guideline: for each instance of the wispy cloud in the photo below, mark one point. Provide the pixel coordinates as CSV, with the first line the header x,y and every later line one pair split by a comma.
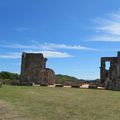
x,y
46,46
19,46
106,38
53,54
49,50
52,46
10,55
48,54
108,28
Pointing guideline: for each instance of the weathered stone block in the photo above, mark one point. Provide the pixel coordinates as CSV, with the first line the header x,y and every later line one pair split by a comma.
x,y
33,70
111,77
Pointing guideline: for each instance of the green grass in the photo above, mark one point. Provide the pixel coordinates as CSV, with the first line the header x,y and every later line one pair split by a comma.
x,y
43,103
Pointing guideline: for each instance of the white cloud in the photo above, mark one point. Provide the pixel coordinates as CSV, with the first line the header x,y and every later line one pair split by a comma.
x,y
48,54
46,46
52,46
20,46
49,50
108,28
106,38
53,54
10,55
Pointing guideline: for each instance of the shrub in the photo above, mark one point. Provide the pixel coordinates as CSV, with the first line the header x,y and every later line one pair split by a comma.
x,y
8,77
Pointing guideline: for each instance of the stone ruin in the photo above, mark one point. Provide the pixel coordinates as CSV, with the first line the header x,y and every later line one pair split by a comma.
x,y
33,70
110,77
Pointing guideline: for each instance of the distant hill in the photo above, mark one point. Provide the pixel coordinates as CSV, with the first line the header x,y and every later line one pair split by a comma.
x,y
62,78
65,77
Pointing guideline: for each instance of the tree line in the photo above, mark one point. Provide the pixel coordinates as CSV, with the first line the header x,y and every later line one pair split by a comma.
x,y
6,77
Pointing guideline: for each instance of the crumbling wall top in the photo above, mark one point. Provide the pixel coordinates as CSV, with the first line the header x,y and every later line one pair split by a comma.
x,y
108,58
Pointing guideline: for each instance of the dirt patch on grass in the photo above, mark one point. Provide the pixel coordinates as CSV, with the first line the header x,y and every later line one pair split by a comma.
x,y
7,112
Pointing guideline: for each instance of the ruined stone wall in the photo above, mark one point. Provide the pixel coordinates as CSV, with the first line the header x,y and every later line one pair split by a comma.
x,y
32,67
48,76
112,78
104,74
115,78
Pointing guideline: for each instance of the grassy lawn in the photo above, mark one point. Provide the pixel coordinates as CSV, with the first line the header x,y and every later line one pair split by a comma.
x,y
43,103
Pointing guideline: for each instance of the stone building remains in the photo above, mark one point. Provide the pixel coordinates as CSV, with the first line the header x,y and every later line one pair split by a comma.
x,y
111,77
33,70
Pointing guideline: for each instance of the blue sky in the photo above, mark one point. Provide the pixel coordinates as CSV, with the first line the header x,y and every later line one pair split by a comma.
x,y
72,34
